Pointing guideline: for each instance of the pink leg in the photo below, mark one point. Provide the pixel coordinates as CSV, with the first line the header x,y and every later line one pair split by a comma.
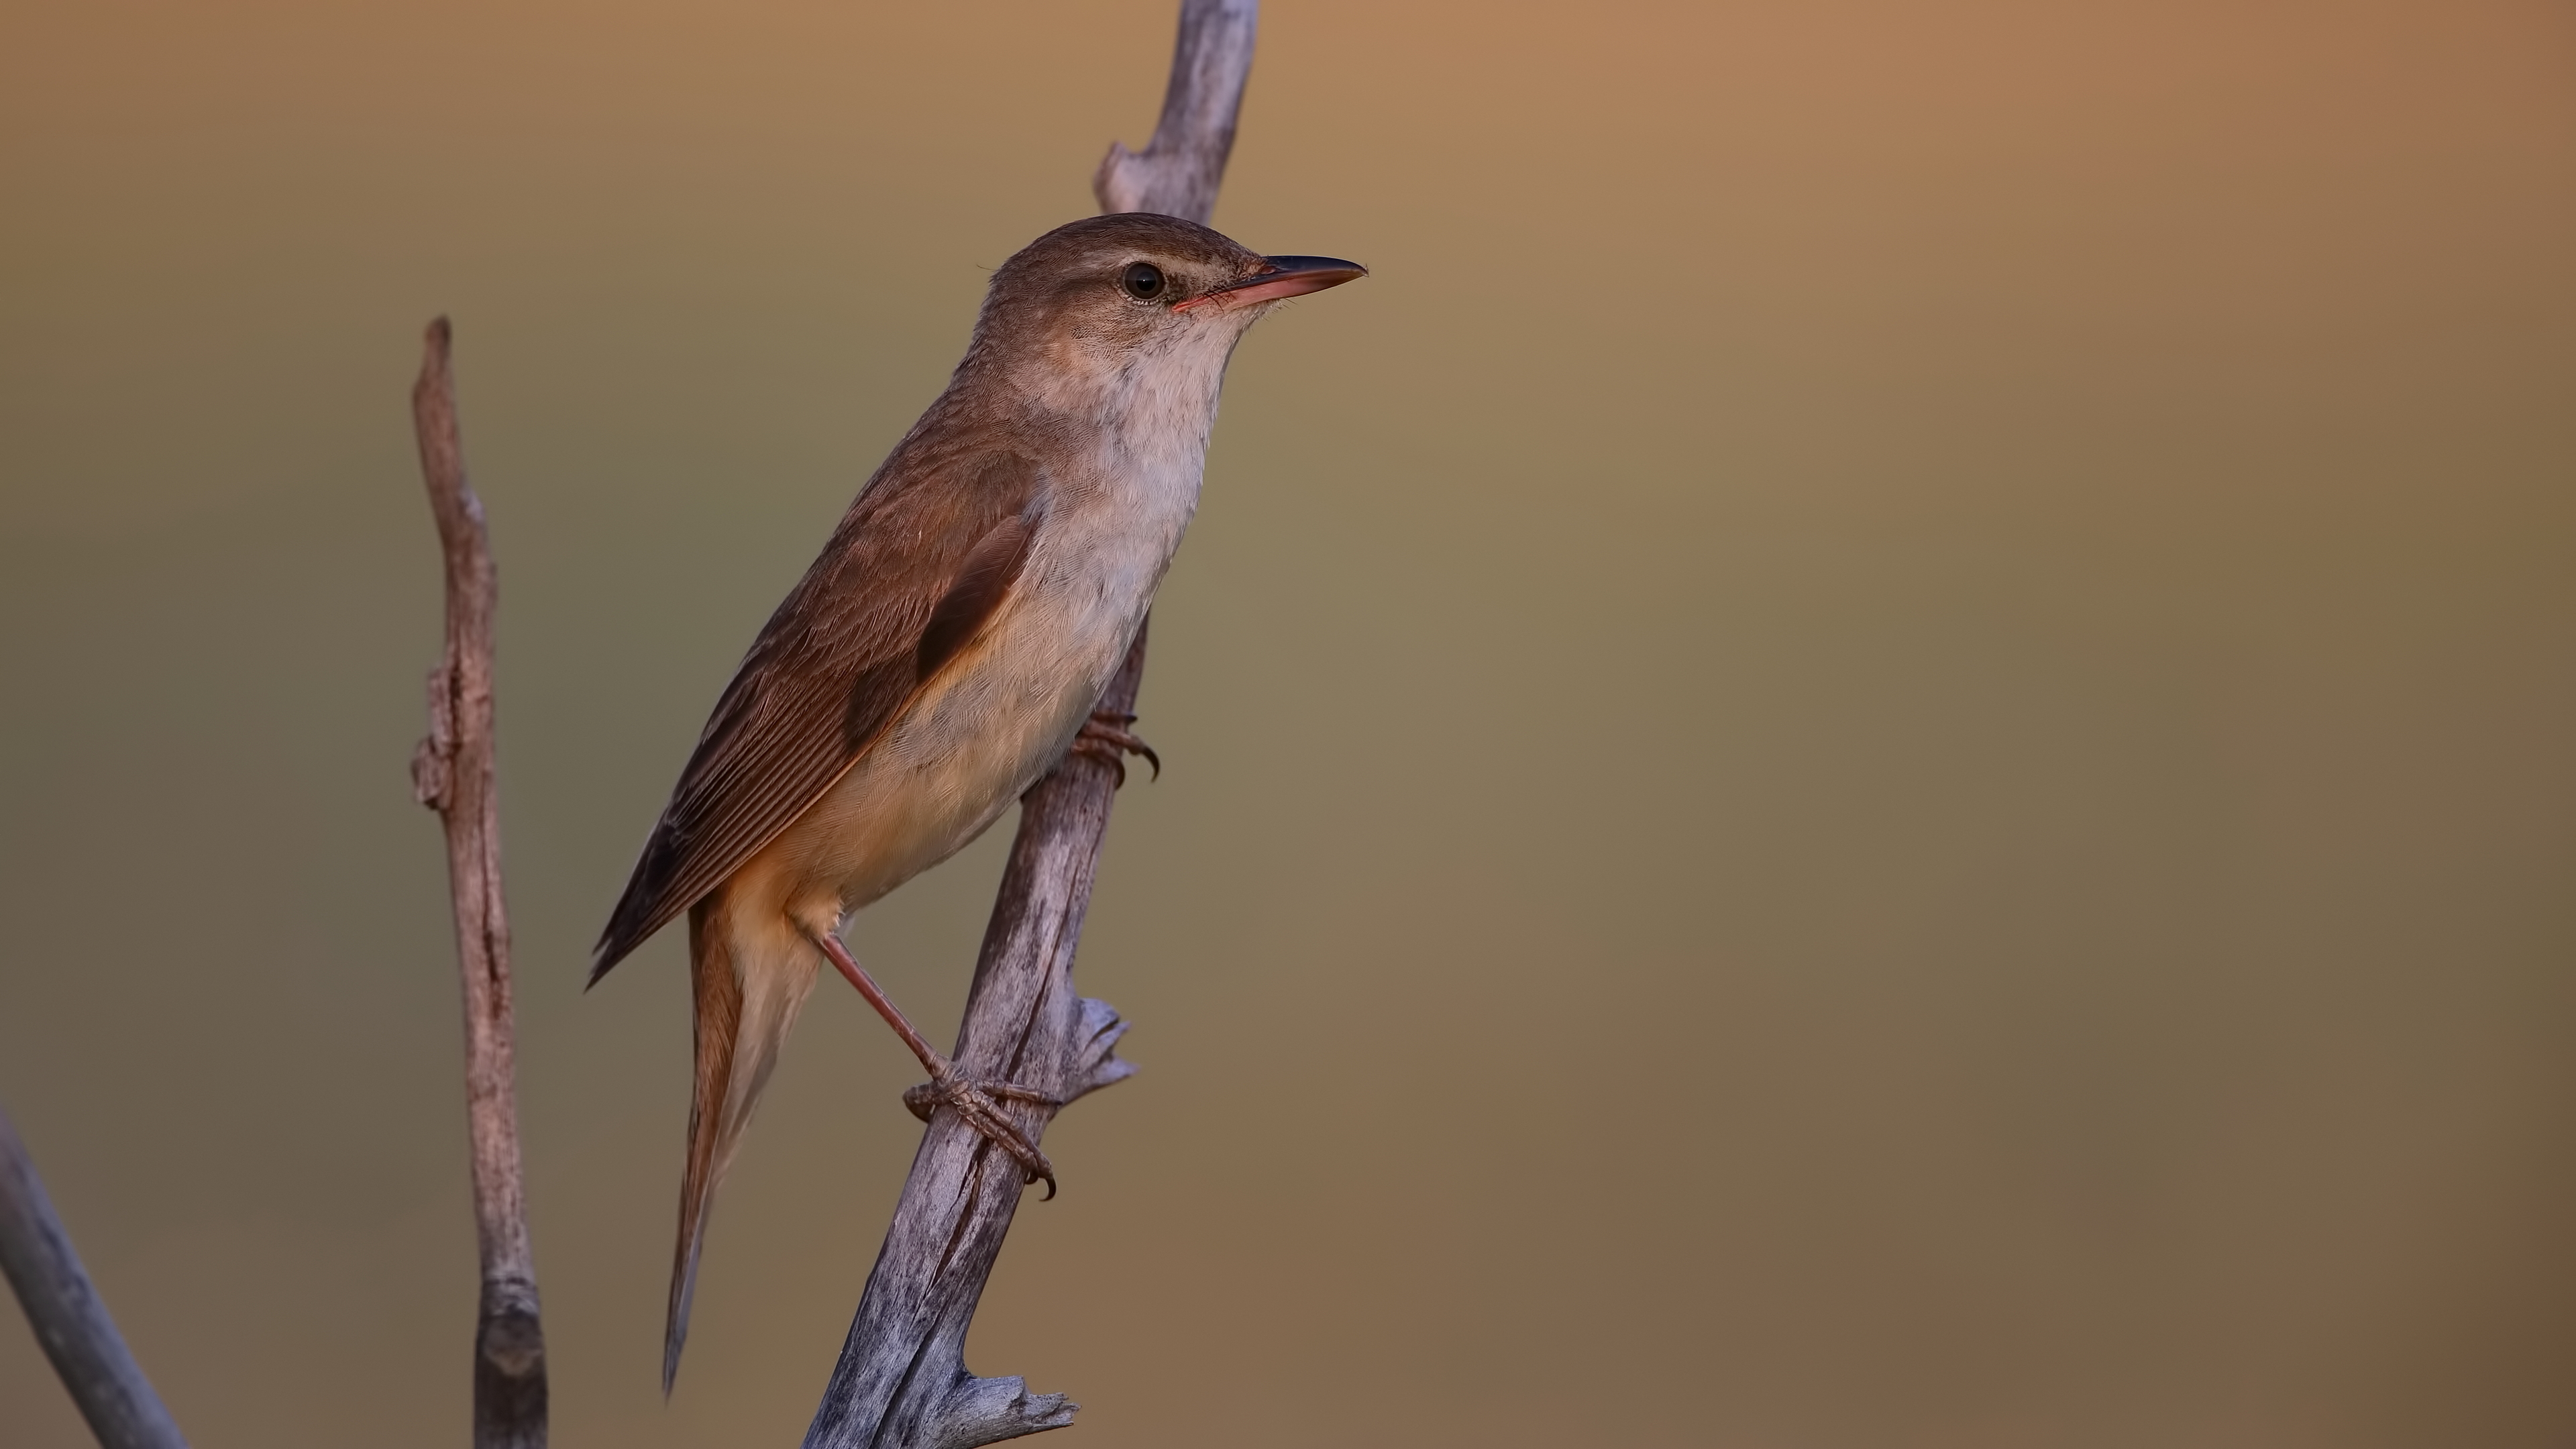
x,y
971,1099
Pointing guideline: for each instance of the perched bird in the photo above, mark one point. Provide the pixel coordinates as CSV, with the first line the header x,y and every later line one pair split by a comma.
x,y
945,651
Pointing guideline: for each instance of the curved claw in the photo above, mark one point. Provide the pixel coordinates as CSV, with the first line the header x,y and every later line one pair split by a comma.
x,y
1106,738
921,1100
973,1102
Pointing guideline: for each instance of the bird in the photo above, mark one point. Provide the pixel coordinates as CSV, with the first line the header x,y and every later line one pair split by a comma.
x,y
945,650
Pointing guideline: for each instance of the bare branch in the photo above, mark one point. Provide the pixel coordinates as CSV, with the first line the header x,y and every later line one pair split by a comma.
x,y
1178,171
901,1382
72,1325
452,774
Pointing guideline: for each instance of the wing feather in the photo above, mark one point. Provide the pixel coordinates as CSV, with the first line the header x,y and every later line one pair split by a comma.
x,y
923,557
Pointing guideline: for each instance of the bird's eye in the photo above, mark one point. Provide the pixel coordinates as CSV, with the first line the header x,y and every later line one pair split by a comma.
x,y
1143,281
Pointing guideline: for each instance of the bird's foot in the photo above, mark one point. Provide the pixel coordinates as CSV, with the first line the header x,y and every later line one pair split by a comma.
x,y
977,1103
1106,738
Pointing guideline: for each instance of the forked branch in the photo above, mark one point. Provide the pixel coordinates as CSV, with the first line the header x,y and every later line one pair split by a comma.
x,y
901,1382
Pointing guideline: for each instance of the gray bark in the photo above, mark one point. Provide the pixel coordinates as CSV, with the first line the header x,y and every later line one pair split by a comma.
x,y
1178,172
901,1382
452,774
105,1382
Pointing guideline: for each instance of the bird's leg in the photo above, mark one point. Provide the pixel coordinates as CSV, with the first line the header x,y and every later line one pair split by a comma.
x,y
973,1099
1106,738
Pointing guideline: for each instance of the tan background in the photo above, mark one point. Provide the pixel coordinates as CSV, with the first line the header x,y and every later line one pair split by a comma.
x,y
1877,753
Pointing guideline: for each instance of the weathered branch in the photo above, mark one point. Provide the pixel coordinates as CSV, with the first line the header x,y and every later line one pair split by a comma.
x,y
1178,171
452,774
901,1382
70,1323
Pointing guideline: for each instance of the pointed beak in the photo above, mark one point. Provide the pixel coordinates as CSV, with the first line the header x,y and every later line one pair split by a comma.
x,y
1282,277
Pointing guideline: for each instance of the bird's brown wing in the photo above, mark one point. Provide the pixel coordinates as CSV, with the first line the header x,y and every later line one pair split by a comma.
x,y
921,560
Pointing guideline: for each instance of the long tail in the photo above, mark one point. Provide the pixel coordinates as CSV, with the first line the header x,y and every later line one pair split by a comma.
x,y
746,1001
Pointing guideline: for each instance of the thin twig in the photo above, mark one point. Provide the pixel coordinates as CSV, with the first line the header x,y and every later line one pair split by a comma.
x,y
901,1382
452,774
72,1325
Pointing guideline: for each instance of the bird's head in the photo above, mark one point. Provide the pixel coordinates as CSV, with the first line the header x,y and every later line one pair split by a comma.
x,y
1095,309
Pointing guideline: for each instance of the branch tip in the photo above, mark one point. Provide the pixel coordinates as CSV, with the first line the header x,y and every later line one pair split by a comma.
x,y
452,774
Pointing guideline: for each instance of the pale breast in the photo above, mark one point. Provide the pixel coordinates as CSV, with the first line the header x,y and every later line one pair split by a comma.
x,y
999,715
1002,713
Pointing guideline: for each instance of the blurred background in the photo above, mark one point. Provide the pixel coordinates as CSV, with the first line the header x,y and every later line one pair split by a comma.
x,y
1875,753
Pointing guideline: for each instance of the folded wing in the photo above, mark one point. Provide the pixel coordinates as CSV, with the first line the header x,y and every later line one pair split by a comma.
x,y
919,563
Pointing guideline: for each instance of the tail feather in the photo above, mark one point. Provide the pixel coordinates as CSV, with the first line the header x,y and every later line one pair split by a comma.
x,y
745,1005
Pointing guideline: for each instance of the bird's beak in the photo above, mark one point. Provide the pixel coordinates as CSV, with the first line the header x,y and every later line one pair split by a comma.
x,y
1280,277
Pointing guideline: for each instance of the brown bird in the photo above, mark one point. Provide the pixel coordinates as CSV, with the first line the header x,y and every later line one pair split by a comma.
x,y
944,652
